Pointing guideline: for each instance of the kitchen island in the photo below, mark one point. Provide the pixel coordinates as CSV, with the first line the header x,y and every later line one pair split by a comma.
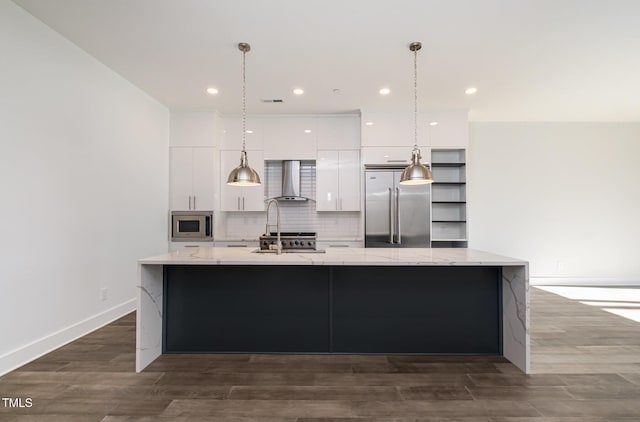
x,y
347,300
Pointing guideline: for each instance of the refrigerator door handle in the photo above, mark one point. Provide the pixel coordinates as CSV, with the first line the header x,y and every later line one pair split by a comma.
x,y
398,216
391,224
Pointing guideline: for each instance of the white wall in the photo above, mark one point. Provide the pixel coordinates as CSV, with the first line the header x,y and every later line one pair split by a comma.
x,y
564,196
83,178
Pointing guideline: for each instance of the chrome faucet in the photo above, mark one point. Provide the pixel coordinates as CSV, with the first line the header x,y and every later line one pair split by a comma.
x,y
278,245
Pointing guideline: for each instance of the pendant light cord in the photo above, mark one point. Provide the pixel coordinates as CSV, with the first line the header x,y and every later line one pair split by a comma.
x,y
415,98
244,100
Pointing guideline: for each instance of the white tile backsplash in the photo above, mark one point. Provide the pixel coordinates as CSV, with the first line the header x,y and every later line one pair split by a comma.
x,y
294,216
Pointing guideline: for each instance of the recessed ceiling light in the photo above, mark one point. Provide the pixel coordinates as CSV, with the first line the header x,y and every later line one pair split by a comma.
x,y
212,91
384,91
249,131
298,91
470,91
433,123
307,131
369,123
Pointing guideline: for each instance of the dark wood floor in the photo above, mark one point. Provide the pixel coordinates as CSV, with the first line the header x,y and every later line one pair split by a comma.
x,y
586,364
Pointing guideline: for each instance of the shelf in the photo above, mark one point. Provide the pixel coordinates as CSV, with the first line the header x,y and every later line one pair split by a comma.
x,y
449,204
447,164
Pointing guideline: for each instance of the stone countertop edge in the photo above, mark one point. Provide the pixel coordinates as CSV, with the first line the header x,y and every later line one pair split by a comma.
x,y
335,256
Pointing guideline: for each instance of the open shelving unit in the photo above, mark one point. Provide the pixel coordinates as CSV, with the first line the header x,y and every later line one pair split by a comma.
x,y
448,198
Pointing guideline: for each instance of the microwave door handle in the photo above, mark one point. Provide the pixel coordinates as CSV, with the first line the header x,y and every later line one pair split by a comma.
x,y
390,216
207,226
398,216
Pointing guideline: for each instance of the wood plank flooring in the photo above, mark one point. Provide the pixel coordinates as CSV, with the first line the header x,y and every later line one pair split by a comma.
x,y
586,365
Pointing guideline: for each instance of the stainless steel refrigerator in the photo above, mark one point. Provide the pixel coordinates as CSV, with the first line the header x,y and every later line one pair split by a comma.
x,y
396,216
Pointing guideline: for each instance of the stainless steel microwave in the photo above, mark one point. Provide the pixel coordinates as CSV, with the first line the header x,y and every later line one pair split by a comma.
x,y
192,226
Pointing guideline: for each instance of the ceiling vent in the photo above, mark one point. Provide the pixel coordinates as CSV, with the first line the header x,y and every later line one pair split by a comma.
x,y
272,100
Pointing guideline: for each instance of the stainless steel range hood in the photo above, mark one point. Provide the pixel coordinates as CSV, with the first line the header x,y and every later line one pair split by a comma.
x,y
291,182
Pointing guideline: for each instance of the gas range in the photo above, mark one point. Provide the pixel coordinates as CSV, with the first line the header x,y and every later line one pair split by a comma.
x,y
290,240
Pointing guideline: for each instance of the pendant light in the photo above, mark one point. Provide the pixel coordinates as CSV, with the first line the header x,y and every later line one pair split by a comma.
x,y
244,175
416,173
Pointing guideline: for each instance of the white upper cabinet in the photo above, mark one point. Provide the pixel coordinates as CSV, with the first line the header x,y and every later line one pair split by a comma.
x,y
338,180
389,129
192,178
338,132
400,156
232,133
234,198
435,129
289,138
452,129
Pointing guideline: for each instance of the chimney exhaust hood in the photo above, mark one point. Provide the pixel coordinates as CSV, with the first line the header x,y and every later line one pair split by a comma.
x,y
291,182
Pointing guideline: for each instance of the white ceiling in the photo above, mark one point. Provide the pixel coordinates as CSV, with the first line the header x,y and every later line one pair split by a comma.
x,y
531,60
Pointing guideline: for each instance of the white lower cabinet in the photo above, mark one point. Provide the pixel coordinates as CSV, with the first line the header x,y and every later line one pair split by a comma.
x,y
192,178
234,198
338,180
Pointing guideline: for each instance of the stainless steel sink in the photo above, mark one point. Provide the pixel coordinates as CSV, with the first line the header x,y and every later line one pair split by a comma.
x,y
273,251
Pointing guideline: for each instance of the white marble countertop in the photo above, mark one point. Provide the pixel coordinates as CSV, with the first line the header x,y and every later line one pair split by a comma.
x,y
334,256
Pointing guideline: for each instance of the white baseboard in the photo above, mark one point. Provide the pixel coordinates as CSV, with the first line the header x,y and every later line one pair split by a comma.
x,y
583,281
25,354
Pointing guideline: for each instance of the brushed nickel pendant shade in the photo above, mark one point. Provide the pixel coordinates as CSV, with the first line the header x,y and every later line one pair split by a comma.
x,y
244,175
416,173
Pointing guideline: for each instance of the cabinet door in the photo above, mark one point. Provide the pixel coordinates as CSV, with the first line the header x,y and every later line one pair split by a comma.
x,y
349,180
203,178
181,162
387,129
232,133
452,129
230,196
289,138
400,156
233,198
338,133
253,197
327,178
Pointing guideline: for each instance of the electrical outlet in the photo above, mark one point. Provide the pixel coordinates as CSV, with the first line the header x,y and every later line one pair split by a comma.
x,y
104,294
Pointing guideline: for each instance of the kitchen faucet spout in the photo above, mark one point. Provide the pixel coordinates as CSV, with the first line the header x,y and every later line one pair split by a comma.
x,y
278,245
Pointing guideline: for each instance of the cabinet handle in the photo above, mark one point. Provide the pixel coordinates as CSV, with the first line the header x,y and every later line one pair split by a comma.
x,y
397,161
340,203
238,203
391,222
243,203
398,215
189,201
194,202
337,204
